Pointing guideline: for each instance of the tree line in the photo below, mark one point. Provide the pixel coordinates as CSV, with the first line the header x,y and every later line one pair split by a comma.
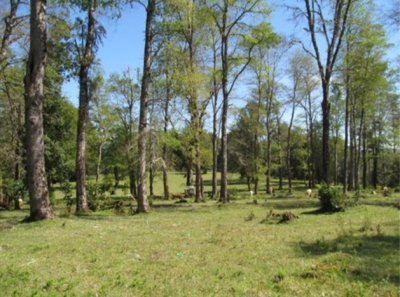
x,y
321,106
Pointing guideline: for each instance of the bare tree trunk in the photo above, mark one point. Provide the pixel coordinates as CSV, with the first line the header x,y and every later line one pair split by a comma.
x,y
99,157
10,22
326,108
132,177
214,182
346,140
315,15
83,112
142,201
164,149
40,207
288,146
224,137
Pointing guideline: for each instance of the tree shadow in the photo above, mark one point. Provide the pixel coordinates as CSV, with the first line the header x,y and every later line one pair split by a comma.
x,y
291,204
9,224
373,258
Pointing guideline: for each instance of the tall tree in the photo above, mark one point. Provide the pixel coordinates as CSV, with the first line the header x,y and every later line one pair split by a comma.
x,y
142,201
91,33
328,18
126,92
40,207
230,19
11,22
364,71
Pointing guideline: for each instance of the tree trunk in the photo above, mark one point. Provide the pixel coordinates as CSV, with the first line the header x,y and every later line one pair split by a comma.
x,y
164,149
326,107
116,176
288,147
98,165
142,201
224,140
346,139
40,207
10,23
83,111
132,177
214,182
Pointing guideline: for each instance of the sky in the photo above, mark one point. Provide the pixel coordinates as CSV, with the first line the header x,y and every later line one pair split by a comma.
x,y
123,45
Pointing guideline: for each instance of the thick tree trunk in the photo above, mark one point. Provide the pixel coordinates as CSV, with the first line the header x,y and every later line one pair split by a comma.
x,y
142,201
40,207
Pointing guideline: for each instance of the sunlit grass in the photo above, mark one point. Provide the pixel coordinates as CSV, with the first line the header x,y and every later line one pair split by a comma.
x,y
205,249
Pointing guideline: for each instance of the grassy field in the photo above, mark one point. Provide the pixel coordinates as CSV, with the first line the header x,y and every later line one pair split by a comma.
x,y
206,249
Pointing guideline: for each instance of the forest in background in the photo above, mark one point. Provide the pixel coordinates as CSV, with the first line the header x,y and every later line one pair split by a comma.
x,y
219,91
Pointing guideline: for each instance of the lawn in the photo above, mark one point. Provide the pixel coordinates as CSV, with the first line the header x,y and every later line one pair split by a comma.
x,y
205,249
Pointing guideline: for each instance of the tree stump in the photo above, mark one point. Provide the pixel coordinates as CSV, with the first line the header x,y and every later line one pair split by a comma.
x,y
288,216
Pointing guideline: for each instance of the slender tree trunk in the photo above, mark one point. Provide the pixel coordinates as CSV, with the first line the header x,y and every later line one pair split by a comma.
x,y
143,203
10,22
164,149
132,177
326,107
189,173
365,163
40,207
83,110
116,176
98,166
151,167
346,140
224,139
313,159
288,148
214,182
268,172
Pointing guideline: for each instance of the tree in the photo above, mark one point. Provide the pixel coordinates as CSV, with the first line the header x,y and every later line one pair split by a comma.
x,y
364,81
143,202
330,20
265,64
189,23
40,207
125,93
11,23
91,33
102,120
229,18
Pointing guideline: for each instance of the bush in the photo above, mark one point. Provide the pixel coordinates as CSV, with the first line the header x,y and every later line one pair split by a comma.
x,y
331,198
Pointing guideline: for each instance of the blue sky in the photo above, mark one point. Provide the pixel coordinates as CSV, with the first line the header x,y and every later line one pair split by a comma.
x,y
123,45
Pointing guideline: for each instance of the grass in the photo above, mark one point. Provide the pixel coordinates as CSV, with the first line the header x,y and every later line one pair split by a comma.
x,y
205,249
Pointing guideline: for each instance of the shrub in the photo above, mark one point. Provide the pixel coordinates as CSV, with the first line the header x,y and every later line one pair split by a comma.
x,y
331,198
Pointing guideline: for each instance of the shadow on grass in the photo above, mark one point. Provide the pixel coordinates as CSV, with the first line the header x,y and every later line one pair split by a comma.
x,y
9,224
171,205
359,258
290,204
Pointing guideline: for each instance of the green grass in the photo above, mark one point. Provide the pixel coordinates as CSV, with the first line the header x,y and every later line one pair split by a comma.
x,y
205,249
